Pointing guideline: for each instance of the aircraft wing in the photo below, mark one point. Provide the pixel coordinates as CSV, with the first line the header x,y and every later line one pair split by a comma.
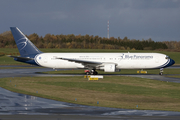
x,y
83,62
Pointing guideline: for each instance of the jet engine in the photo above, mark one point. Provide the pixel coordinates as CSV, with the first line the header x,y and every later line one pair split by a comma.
x,y
109,68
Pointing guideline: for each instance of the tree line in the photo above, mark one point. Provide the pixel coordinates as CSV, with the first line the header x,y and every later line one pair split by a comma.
x,y
87,42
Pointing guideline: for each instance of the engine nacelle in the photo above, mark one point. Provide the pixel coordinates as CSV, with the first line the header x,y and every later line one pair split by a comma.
x,y
109,68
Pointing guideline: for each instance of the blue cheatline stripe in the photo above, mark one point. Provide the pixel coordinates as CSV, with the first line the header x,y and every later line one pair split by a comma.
x,y
164,65
167,64
170,63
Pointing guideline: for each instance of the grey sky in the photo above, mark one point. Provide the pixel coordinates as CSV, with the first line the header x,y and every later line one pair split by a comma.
x,y
136,19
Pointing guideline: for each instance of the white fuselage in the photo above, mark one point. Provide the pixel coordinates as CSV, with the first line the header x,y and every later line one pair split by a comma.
x,y
122,60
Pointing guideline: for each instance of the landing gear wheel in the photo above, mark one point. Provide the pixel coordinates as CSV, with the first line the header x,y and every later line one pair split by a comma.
x,y
95,73
160,73
91,72
88,73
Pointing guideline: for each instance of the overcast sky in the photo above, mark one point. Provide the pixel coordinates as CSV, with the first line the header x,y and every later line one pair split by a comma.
x,y
136,19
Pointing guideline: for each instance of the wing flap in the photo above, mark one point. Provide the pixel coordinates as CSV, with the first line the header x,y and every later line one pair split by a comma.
x,y
84,62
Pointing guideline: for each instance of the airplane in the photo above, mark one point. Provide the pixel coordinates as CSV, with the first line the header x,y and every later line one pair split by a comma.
x,y
108,62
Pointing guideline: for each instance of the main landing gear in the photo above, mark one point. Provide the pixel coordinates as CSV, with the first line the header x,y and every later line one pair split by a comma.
x,y
161,71
91,72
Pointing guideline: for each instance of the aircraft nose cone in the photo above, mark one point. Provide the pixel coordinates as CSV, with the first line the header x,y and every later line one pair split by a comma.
x,y
172,62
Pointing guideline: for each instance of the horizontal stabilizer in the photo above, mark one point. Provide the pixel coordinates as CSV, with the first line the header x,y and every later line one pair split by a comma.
x,y
21,58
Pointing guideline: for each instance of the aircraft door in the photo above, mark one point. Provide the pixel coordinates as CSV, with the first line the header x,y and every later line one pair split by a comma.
x,y
45,59
157,59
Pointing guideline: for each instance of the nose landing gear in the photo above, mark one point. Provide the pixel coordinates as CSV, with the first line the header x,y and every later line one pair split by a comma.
x,y
161,71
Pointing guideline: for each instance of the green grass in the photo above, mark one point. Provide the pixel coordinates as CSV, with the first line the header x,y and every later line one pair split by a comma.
x,y
112,91
14,51
115,88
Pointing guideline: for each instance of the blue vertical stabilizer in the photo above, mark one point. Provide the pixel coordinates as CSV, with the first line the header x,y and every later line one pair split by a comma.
x,y
25,46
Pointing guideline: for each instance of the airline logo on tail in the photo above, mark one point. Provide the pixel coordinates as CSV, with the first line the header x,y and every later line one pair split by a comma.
x,y
23,43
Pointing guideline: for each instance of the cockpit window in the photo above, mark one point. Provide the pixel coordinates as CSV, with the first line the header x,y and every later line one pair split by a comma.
x,y
167,57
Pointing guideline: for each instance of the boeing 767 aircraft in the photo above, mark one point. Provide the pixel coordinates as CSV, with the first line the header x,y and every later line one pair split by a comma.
x,y
109,62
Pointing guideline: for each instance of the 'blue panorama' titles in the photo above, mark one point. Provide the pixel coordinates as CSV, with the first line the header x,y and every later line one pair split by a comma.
x,y
138,57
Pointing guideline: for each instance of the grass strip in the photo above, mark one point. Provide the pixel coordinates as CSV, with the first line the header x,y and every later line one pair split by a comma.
x,y
112,91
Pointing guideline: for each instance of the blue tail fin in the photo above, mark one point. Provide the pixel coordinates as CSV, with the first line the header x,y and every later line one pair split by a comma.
x,y
25,46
